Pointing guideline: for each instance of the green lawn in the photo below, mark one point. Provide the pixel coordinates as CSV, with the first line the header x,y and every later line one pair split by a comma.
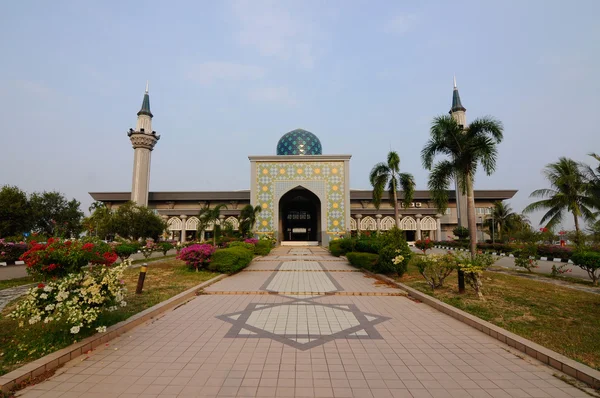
x,y
561,319
164,279
16,282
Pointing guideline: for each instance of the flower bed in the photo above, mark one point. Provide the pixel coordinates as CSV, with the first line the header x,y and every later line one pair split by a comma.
x,y
11,252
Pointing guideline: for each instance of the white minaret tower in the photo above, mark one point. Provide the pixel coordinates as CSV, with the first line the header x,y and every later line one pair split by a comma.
x,y
458,113
143,140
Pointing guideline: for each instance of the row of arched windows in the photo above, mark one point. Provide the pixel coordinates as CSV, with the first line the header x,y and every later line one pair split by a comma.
x,y
368,223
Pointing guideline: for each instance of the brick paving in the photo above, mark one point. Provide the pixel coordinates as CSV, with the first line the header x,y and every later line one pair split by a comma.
x,y
304,345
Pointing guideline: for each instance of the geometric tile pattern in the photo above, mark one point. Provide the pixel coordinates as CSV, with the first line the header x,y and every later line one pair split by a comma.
x,y
327,177
302,324
299,142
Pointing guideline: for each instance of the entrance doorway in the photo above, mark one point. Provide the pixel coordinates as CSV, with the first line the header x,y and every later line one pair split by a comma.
x,y
300,216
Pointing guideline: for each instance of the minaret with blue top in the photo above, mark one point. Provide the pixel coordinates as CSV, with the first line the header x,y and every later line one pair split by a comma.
x,y
143,139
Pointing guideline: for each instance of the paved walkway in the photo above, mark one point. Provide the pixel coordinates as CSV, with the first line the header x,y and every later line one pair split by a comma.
x,y
300,323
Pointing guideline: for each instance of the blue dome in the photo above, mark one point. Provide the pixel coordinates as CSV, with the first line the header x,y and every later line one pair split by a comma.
x,y
299,142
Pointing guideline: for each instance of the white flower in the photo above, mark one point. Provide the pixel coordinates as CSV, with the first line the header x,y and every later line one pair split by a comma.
x,y
43,296
48,288
101,329
49,307
123,303
75,329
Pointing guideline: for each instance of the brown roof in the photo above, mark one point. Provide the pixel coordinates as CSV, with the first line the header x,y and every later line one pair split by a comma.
x,y
244,195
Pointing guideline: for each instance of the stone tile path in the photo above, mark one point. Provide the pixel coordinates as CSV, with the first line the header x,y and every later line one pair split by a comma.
x,y
259,341
8,295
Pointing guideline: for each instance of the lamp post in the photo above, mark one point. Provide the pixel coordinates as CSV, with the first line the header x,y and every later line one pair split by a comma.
x,y
493,225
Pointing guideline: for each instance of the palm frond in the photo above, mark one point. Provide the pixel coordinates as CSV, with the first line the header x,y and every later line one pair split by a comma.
x,y
392,189
488,127
439,182
407,183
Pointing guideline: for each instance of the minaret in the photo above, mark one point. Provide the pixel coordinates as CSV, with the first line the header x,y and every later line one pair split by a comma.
x,y
143,140
458,113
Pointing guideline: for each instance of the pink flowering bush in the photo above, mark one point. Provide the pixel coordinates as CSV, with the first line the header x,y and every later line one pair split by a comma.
x,y
196,256
252,241
10,252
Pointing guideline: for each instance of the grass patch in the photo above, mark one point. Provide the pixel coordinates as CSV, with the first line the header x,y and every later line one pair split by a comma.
x,y
164,280
7,284
562,319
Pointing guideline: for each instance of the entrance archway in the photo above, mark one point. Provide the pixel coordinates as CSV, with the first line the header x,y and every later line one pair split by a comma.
x,y
300,215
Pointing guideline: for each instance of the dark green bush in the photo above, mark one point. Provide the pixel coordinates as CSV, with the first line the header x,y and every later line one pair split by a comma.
x,y
238,243
335,248
262,247
347,245
368,245
164,247
230,260
367,261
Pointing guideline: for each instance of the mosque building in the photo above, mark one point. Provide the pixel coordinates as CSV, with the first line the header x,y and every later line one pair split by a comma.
x,y
305,196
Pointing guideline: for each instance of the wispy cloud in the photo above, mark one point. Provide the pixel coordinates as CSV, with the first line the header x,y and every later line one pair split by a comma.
x,y
210,72
274,31
400,24
279,95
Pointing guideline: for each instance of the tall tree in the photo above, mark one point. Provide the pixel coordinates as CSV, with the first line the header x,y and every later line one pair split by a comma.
x,y
54,215
569,193
592,177
248,219
99,221
388,176
15,214
466,149
208,216
134,222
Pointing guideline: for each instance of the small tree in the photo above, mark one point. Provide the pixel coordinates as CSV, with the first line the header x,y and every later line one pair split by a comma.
x,y
208,216
15,212
248,219
461,232
435,268
589,262
134,222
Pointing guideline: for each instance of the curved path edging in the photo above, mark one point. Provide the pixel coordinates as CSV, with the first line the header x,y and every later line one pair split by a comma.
x,y
58,358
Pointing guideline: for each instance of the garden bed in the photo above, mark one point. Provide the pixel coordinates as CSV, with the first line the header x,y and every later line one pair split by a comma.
x,y
561,319
164,279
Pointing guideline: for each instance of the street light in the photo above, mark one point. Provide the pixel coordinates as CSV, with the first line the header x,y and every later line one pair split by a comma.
x,y
493,222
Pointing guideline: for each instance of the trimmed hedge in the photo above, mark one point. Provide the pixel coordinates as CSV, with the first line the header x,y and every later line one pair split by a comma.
x,y
262,247
335,247
245,245
231,260
367,261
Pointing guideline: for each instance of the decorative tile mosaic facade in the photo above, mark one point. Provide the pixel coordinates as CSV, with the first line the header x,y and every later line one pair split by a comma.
x,y
325,179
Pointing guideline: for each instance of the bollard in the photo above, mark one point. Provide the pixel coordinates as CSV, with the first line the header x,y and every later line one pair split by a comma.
x,y
140,284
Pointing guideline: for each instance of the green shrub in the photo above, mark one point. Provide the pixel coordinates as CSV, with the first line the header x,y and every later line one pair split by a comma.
x,y
590,262
125,250
367,261
368,245
394,254
335,248
230,260
262,247
347,245
164,247
238,243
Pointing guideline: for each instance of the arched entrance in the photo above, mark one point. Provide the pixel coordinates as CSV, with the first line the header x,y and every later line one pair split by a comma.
x,y
300,216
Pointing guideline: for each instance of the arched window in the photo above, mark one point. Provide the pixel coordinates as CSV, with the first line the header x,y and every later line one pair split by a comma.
x,y
408,224
387,223
192,224
174,224
428,224
235,224
368,224
352,224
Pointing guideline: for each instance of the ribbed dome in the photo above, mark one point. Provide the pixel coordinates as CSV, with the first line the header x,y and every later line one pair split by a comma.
x,y
299,142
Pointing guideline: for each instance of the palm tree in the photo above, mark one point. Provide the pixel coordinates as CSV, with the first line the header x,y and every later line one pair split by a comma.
x,y
502,216
466,148
248,219
569,192
593,182
208,216
388,174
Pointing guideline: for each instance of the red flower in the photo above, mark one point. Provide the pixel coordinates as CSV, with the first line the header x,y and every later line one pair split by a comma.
x,y
41,286
88,247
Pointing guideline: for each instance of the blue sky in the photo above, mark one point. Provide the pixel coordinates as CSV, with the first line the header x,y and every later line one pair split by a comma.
x,y
227,79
